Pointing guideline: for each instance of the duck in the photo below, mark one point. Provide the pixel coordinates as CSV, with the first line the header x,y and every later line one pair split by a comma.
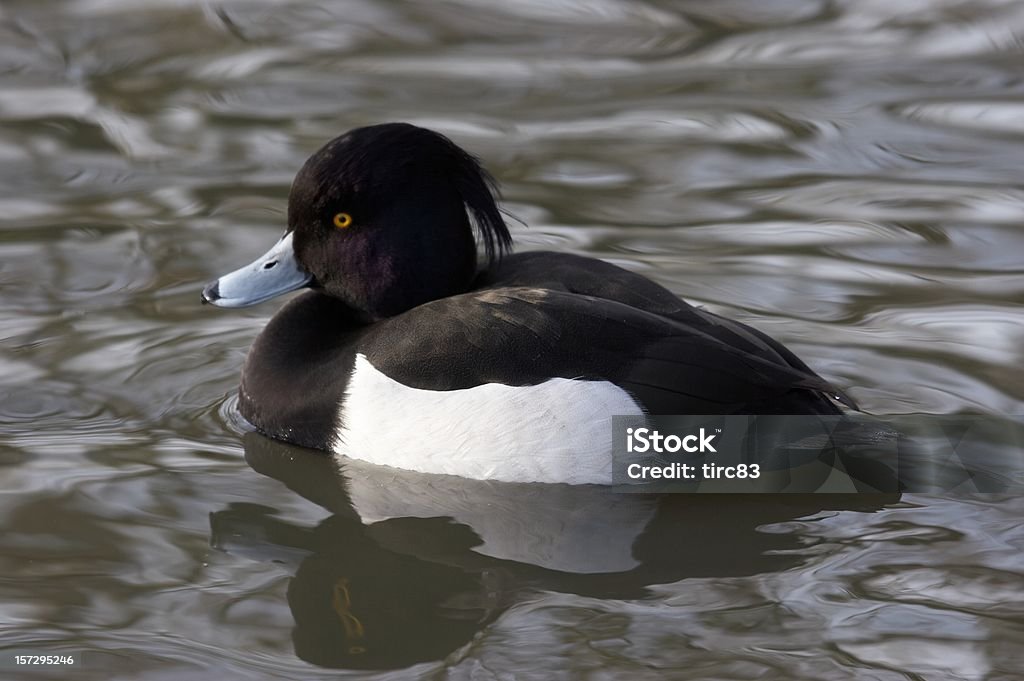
x,y
422,342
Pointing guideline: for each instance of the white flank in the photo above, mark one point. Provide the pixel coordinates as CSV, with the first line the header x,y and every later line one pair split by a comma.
x,y
557,431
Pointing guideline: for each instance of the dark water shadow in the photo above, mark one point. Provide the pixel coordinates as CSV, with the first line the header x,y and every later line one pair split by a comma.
x,y
407,567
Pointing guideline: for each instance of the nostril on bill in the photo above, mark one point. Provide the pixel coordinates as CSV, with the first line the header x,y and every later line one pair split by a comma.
x,y
269,265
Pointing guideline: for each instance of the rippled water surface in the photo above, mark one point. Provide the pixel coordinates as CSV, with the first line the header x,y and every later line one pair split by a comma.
x,y
846,176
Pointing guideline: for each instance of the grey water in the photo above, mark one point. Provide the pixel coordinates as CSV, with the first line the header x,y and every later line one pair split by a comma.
x,y
847,176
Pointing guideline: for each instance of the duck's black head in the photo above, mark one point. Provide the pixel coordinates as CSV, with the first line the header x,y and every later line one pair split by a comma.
x,y
378,218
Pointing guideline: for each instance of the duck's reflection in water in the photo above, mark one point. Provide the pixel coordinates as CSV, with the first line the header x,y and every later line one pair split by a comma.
x,y
409,567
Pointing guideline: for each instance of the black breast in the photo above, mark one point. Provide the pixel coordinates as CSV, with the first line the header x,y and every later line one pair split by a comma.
x,y
296,372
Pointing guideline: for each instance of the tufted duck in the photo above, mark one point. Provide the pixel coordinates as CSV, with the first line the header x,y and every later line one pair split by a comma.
x,y
403,352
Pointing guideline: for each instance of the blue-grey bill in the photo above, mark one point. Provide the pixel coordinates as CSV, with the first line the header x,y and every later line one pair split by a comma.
x,y
272,274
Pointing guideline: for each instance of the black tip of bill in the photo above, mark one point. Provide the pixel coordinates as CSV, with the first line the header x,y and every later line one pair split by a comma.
x,y
211,293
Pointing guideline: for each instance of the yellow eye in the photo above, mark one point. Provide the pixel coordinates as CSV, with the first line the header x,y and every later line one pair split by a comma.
x,y
342,220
